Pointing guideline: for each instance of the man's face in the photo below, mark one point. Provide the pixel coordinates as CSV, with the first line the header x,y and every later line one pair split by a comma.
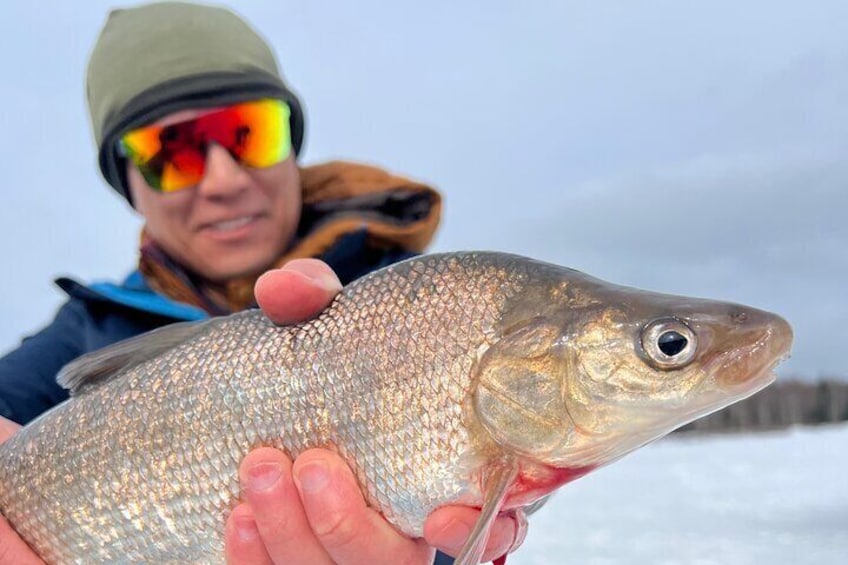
x,y
235,222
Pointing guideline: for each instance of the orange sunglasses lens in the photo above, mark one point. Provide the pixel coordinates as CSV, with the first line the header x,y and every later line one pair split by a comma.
x,y
172,157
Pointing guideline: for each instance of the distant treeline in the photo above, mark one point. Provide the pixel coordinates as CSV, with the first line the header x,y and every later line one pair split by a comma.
x,y
782,404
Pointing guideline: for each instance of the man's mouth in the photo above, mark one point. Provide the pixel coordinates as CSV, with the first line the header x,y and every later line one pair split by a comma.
x,y
231,225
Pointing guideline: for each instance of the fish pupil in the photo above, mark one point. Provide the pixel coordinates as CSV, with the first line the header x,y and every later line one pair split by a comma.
x,y
671,343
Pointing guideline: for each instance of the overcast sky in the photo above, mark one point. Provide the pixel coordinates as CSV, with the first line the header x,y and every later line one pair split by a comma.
x,y
690,147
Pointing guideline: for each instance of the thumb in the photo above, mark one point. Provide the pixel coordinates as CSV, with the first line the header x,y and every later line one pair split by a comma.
x,y
14,550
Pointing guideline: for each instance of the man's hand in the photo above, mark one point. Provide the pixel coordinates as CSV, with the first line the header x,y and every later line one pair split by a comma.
x,y
13,550
312,511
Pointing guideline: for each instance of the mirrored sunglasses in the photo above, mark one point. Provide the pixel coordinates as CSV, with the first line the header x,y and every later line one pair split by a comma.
x,y
172,157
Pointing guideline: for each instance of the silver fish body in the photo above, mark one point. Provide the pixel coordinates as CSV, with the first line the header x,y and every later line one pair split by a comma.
x,y
420,376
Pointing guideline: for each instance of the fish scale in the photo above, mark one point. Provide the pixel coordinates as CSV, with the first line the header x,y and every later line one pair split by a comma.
x,y
246,381
484,379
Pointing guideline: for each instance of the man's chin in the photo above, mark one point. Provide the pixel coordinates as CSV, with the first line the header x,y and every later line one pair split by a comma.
x,y
239,269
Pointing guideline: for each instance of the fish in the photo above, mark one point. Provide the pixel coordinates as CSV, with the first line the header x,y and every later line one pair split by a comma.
x,y
477,378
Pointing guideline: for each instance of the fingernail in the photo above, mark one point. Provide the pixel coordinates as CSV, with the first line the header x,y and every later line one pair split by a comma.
x,y
246,529
262,476
313,477
321,277
454,535
328,281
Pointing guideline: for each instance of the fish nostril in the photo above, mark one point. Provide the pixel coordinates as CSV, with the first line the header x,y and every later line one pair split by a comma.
x,y
739,316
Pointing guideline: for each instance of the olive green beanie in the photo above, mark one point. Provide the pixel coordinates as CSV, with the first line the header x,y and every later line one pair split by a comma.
x,y
155,59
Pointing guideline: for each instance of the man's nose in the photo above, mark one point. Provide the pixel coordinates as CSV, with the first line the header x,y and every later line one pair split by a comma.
x,y
223,176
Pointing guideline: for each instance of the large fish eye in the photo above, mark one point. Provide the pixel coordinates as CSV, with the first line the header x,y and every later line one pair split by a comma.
x,y
668,343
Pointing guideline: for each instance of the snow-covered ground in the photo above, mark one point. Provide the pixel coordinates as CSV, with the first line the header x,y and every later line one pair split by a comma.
x,y
754,499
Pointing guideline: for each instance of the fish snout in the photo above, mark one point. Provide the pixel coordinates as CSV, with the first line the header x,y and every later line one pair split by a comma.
x,y
754,342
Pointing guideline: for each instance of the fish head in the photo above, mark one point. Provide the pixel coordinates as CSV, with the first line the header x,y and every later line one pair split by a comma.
x,y
584,371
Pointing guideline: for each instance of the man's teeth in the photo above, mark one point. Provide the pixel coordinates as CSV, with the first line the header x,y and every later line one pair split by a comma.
x,y
232,224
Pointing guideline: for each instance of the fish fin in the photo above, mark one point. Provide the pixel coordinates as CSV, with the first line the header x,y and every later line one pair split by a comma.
x,y
88,371
496,483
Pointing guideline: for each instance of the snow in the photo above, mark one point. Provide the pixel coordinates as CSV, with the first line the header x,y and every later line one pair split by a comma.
x,y
760,498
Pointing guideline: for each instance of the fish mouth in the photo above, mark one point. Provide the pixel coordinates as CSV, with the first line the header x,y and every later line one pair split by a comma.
x,y
743,370
737,372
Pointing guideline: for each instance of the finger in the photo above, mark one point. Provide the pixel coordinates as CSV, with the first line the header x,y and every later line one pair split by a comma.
x,y
267,485
447,529
8,428
13,549
296,292
242,543
349,530
521,526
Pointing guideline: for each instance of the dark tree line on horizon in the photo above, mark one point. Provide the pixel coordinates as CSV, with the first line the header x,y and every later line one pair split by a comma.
x,y
783,404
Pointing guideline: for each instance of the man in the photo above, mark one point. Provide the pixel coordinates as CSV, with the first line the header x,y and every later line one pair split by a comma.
x,y
198,131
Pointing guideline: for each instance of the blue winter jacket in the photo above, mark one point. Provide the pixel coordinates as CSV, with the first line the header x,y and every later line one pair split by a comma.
x,y
104,313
